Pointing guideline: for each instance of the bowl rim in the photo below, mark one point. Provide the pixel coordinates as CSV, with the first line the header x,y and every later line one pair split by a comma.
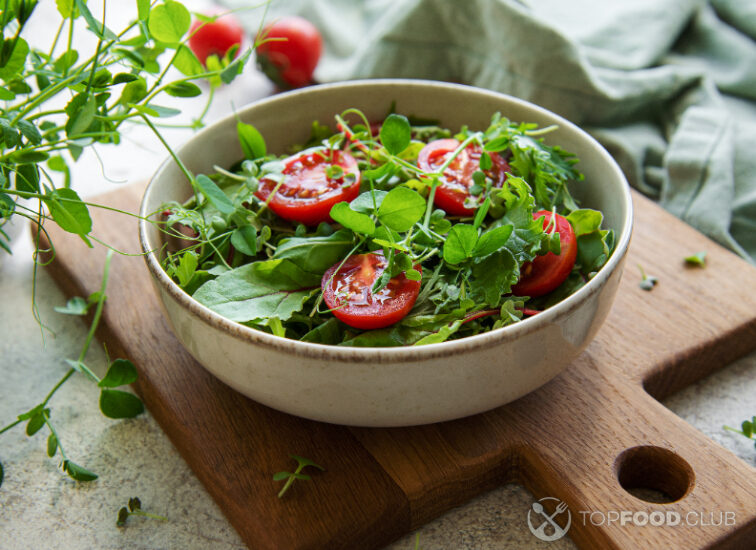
x,y
399,354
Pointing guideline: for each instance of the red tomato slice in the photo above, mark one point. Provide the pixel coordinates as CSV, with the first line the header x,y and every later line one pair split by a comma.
x,y
215,38
348,293
454,186
307,192
545,273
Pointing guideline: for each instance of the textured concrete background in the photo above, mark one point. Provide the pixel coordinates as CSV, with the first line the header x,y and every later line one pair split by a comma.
x,y
41,508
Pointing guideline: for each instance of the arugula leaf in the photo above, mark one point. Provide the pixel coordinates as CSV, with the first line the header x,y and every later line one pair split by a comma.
x,y
549,169
215,195
251,140
513,204
186,267
316,254
380,338
330,332
493,277
259,290
440,335
585,221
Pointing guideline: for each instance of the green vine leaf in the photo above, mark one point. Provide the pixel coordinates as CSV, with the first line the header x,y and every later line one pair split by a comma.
x,y
52,445
395,133
81,111
120,404
120,373
16,61
168,22
68,211
251,141
356,221
401,208
77,472
183,89
215,195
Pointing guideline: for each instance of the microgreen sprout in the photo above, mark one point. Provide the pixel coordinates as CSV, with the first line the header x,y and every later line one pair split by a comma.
x,y
697,259
747,429
302,463
135,509
648,282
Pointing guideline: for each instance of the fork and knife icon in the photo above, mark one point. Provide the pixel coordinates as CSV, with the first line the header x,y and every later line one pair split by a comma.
x,y
548,521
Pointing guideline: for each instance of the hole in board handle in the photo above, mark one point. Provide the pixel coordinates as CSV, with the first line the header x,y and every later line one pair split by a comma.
x,y
654,474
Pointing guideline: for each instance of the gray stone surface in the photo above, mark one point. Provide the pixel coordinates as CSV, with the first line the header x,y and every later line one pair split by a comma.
x,y
40,508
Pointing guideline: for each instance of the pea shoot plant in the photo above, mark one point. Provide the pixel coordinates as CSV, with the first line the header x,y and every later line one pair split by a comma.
x,y
57,102
134,508
747,429
237,257
290,477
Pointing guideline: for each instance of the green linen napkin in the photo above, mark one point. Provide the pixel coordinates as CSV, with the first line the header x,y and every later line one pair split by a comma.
x,y
667,86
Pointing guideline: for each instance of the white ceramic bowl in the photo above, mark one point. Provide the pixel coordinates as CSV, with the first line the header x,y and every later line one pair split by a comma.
x,y
390,386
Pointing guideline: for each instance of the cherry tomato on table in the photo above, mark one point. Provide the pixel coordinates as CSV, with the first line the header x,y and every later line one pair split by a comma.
x,y
290,56
545,273
308,190
348,293
454,185
215,38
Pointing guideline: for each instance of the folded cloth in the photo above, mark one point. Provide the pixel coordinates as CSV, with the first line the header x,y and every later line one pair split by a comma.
x,y
667,86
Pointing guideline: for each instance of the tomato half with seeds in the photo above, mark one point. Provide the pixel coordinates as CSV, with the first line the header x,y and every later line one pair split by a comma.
x,y
545,273
453,191
314,180
348,292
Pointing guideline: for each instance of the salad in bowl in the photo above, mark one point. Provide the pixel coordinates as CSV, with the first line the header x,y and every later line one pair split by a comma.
x,y
387,252
390,233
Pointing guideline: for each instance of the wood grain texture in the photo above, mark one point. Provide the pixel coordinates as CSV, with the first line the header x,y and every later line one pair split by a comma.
x,y
564,440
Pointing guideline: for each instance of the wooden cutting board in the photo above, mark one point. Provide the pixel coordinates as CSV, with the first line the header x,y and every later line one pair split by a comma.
x,y
594,428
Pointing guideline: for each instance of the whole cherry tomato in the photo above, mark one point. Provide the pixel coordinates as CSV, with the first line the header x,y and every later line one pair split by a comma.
x,y
291,53
348,292
453,190
314,180
216,38
545,273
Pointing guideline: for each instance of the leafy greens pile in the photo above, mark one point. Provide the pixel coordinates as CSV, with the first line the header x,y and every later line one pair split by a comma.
x,y
235,256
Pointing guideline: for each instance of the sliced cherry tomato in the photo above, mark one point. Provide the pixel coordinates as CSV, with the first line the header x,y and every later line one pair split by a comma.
x,y
348,292
290,56
308,191
545,273
454,186
215,38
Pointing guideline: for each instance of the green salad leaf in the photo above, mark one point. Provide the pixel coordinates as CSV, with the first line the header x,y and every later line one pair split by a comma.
x,y
271,288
